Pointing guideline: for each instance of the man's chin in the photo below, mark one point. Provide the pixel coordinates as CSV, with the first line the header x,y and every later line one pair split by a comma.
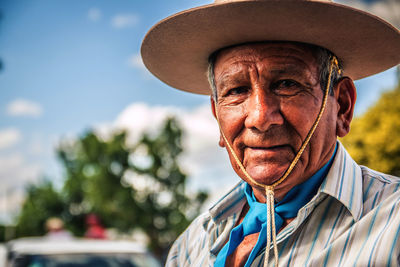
x,y
266,175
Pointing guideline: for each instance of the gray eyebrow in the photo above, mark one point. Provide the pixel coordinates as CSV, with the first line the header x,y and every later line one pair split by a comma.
x,y
296,68
230,76
288,69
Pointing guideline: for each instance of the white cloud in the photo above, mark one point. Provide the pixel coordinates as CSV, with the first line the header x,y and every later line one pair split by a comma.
x,y
94,14
198,123
124,20
23,107
140,117
10,203
206,163
136,62
15,173
22,165
9,137
36,145
15,170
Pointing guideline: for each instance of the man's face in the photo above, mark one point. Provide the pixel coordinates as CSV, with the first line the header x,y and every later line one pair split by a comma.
x,y
268,97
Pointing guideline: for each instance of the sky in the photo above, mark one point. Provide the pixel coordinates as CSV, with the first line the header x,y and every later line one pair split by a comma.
x,y
70,66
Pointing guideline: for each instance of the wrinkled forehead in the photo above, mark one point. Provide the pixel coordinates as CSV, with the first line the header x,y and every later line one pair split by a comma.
x,y
305,53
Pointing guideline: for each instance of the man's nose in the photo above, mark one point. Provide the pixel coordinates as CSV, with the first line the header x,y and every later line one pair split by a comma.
x,y
263,111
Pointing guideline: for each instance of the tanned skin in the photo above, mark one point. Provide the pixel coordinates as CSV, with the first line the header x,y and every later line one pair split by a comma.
x,y
268,97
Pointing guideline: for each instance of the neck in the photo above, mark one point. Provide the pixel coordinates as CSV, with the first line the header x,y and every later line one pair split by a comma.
x,y
295,180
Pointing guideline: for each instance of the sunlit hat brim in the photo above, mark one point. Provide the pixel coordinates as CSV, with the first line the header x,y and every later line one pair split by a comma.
x,y
177,48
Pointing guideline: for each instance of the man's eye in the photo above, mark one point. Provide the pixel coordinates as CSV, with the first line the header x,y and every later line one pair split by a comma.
x,y
238,90
285,84
286,87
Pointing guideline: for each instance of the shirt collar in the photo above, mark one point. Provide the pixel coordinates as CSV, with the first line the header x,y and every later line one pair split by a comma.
x,y
229,204
344,182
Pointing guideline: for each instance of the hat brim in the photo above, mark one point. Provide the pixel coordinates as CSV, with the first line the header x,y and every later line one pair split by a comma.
x,y
176,50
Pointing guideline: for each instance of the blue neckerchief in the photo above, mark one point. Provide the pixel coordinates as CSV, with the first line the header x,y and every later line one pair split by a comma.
x,y
256,218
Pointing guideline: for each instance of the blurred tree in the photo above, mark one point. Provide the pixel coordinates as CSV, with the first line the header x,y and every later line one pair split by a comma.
x,y
161,190
374,139
42,202
2,233
94,169
140,187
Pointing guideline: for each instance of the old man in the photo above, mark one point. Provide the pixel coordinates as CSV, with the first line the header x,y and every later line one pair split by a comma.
x,y
281,77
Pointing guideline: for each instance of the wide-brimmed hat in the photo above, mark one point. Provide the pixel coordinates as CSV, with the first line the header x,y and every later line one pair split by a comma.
x,y
176,49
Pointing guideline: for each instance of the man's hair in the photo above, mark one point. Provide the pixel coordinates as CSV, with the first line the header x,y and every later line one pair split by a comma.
x,y
322,55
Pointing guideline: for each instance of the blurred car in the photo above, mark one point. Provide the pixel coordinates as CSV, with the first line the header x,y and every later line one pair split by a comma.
x,y
3,255
42,252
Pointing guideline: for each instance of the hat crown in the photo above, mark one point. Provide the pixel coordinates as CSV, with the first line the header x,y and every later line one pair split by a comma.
x,y
229,1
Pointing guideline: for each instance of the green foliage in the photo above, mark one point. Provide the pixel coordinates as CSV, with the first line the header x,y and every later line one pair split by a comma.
x,y
2,233
42,202
94,169
374,139
137,187
164,197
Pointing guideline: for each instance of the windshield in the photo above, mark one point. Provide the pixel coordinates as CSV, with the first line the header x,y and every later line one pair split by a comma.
x,y
87,260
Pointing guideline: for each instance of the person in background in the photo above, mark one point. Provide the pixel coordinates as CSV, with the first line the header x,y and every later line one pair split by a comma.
x,y
55,229
95,230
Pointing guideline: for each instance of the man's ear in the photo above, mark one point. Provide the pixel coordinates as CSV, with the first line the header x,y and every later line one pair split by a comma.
x,y
346,96
214,112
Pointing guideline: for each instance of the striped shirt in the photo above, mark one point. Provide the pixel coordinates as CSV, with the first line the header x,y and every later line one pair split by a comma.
x,y
353,220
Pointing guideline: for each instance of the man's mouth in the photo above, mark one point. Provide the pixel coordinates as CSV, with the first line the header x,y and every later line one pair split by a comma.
x,y
269,148
268,151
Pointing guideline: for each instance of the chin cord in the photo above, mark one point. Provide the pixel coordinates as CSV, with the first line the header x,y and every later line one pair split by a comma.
x,y
269,189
